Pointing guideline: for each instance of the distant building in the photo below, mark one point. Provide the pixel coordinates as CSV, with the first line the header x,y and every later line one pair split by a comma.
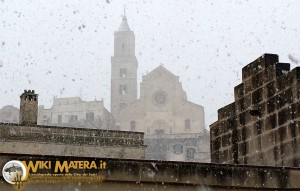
x,y
173,126
9,114
262,126
74,112
28,138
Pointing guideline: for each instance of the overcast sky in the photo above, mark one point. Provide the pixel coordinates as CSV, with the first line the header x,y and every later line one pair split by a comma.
x,y
63,48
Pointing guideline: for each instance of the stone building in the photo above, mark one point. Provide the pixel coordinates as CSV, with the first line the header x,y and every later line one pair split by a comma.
x,y
173,126
261,127
28,138
74,112
9,114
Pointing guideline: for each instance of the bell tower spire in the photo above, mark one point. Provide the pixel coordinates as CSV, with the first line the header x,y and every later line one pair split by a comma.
x,y
124,25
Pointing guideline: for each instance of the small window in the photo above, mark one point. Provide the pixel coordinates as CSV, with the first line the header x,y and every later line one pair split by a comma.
x,y
132,126
190,153
178,149
73,118
187,124
123,72
59,119
123,89
90,116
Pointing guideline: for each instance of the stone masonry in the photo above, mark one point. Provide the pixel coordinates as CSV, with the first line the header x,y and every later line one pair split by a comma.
x,y
28,107
68,141
262,126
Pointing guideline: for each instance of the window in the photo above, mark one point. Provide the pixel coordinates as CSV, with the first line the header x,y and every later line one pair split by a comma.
x,y
123,89
178,149
59,119
187,124
148,129
132,126
73,118
90,116
190,153
123,72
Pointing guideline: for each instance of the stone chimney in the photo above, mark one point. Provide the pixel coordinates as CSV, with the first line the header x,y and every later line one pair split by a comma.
x,y
28,108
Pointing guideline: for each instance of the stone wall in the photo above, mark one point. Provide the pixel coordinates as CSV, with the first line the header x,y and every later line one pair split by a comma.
x,y
262,126
189,147
65,141
131,175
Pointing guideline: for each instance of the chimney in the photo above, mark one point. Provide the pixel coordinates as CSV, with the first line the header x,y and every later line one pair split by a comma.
x,y
28,108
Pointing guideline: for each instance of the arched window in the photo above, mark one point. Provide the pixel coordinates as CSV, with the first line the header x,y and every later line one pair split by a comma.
x,y
187,124
123,72
132,126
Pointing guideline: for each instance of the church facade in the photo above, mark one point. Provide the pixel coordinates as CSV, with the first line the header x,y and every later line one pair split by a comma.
x,y
173,126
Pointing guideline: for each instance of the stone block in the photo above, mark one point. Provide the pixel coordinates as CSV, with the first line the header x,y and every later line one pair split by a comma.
x,y
227,111
239,91
280,134
257,96
242,149
268,140
284,116
258,127
272,104
226,139
271,89
252,146
271,122
258,65
285,98
269,157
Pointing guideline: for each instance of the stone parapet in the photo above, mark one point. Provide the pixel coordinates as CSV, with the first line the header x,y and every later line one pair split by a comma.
x,y
71,141
262,125
159,175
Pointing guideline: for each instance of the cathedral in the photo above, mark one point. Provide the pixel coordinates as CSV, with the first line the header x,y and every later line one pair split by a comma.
x,y
173,126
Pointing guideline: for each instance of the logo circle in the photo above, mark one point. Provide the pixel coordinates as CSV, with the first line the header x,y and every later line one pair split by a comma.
x,y
14,171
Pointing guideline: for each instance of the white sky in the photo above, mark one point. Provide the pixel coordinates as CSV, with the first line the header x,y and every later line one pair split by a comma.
x,y
63,48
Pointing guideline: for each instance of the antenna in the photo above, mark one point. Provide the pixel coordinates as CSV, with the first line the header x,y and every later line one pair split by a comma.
x,y
124,11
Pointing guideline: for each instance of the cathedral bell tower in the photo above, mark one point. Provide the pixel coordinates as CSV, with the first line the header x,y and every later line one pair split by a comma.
x,y
123,69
